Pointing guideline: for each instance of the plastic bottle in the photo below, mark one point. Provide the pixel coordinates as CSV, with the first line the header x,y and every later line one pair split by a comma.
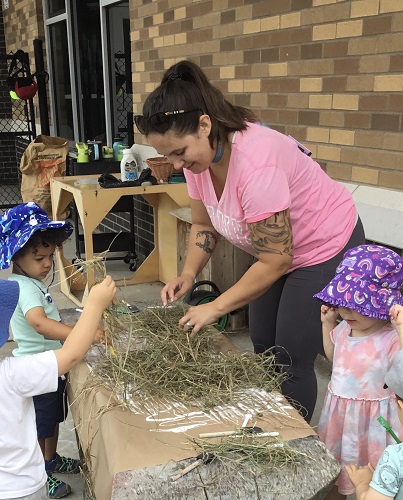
x,y
128,166
117,141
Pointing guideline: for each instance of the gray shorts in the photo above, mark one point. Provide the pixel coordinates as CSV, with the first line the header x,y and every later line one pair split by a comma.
x,y
41,494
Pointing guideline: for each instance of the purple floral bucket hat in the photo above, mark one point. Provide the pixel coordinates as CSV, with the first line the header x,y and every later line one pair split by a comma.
x,y
367,280
19,223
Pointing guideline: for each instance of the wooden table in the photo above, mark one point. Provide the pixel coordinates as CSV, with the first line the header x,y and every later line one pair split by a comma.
x,y
93,205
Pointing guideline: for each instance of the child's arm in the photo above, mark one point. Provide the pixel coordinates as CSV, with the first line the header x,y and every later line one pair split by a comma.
x,y
82,334
52,329
328,316
396,318
361,477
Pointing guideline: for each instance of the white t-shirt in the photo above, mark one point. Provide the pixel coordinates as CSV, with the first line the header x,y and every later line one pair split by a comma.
x,y
22,467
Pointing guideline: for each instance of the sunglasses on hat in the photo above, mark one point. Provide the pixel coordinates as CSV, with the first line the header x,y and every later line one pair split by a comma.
x,y
159,120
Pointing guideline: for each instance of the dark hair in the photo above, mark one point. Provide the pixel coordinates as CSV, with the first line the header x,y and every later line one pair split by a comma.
x,y
52,236
185,87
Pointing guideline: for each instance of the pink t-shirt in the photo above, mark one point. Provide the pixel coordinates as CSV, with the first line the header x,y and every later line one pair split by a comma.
x,y
267,174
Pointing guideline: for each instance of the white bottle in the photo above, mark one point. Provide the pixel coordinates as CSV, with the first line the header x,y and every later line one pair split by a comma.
x,y
128,166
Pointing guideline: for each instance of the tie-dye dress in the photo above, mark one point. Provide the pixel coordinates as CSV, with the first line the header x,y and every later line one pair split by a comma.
x,y
356,397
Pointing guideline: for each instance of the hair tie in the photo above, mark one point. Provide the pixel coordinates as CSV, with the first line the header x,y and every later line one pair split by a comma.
x,y
173,76
219,153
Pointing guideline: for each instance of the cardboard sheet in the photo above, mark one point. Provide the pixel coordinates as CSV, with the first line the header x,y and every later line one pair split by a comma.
x,y
114,439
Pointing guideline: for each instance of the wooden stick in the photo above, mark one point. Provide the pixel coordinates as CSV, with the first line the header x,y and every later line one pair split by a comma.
x,y
187,469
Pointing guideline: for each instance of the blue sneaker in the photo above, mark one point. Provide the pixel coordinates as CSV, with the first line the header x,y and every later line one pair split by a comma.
x,y
62,465
57,488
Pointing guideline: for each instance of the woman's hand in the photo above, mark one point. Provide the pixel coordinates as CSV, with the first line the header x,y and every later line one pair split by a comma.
x,y
176,289
199,316
99,337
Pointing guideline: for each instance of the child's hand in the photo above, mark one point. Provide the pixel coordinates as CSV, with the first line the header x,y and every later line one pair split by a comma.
x,y
99,337
360,475
396,315
329,314
103,293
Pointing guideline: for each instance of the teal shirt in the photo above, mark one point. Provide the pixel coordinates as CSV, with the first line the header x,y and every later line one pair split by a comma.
x,y
388,475
28,340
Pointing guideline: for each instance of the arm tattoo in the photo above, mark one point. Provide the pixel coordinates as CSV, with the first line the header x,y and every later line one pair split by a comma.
x,y
206,240
273,235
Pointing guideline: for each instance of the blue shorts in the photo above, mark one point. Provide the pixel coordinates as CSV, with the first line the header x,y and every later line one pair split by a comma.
x,y
50,410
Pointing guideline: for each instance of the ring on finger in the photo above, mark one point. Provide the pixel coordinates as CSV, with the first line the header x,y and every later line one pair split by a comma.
x,y
189,325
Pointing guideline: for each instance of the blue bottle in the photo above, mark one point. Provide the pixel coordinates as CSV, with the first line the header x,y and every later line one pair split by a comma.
x,y
117,148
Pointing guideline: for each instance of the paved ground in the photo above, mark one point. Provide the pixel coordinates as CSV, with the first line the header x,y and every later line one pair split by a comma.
x,y
142,295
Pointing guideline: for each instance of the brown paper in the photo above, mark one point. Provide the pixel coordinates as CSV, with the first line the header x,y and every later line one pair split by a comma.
x,y
117,440
44,158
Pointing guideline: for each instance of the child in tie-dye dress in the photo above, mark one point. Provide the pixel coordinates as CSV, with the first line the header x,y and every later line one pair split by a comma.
x,y
361,347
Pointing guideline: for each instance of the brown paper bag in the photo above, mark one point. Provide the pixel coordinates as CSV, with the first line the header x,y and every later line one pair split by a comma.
x,y
44,158
76,280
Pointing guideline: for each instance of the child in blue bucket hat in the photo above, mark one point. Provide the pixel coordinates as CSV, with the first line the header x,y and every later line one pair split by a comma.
x,y
22,469
28,239
361,348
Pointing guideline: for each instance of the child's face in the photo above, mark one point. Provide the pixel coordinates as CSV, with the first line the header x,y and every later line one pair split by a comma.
x,y
36,262
359,323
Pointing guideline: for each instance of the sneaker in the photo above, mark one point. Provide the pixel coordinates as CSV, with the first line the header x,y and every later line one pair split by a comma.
x,y
57,488
62,465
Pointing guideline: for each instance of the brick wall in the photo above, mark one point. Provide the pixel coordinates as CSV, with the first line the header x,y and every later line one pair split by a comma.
x,y
328,72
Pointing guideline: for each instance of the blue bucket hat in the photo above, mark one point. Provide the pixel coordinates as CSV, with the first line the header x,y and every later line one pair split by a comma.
x,y
9,295
19,223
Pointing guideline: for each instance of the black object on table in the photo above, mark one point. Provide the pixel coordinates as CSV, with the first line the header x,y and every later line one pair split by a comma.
x,y
123,241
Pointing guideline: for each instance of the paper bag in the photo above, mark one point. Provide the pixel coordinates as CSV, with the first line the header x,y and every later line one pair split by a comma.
x,y
44,158
77,281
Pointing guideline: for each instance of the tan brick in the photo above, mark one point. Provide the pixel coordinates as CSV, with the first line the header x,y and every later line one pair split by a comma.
x,y
374,64
258,100
180,38
392,180
364,83
208,20
252,26
310,84
388,83
314,67
318,134
278,69
158,18
252,85
180,13
363,45
393,142
270,23
298,101
384,159
324,32
331,119
138,66
320,101
159,42
316,3
364,175
364,8
260,70
389,42
236,86
390,6
354,156
339,171
227,72
290,20
345,101
348,29
233,57
368,139
243,12
328,152
338,136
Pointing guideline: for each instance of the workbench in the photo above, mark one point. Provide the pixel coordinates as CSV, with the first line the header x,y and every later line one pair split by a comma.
x,y
132,454
94,203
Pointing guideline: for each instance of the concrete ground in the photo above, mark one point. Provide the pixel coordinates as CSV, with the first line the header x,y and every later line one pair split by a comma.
x,y
142,295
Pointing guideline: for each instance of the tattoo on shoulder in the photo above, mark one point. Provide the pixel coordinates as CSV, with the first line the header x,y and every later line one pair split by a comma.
x,y
206,240
273,235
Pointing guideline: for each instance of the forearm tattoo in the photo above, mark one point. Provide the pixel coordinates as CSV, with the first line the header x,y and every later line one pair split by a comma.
x,y
273,235
206,240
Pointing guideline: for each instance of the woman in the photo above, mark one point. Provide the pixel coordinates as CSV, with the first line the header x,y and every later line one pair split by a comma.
x,y
258,189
